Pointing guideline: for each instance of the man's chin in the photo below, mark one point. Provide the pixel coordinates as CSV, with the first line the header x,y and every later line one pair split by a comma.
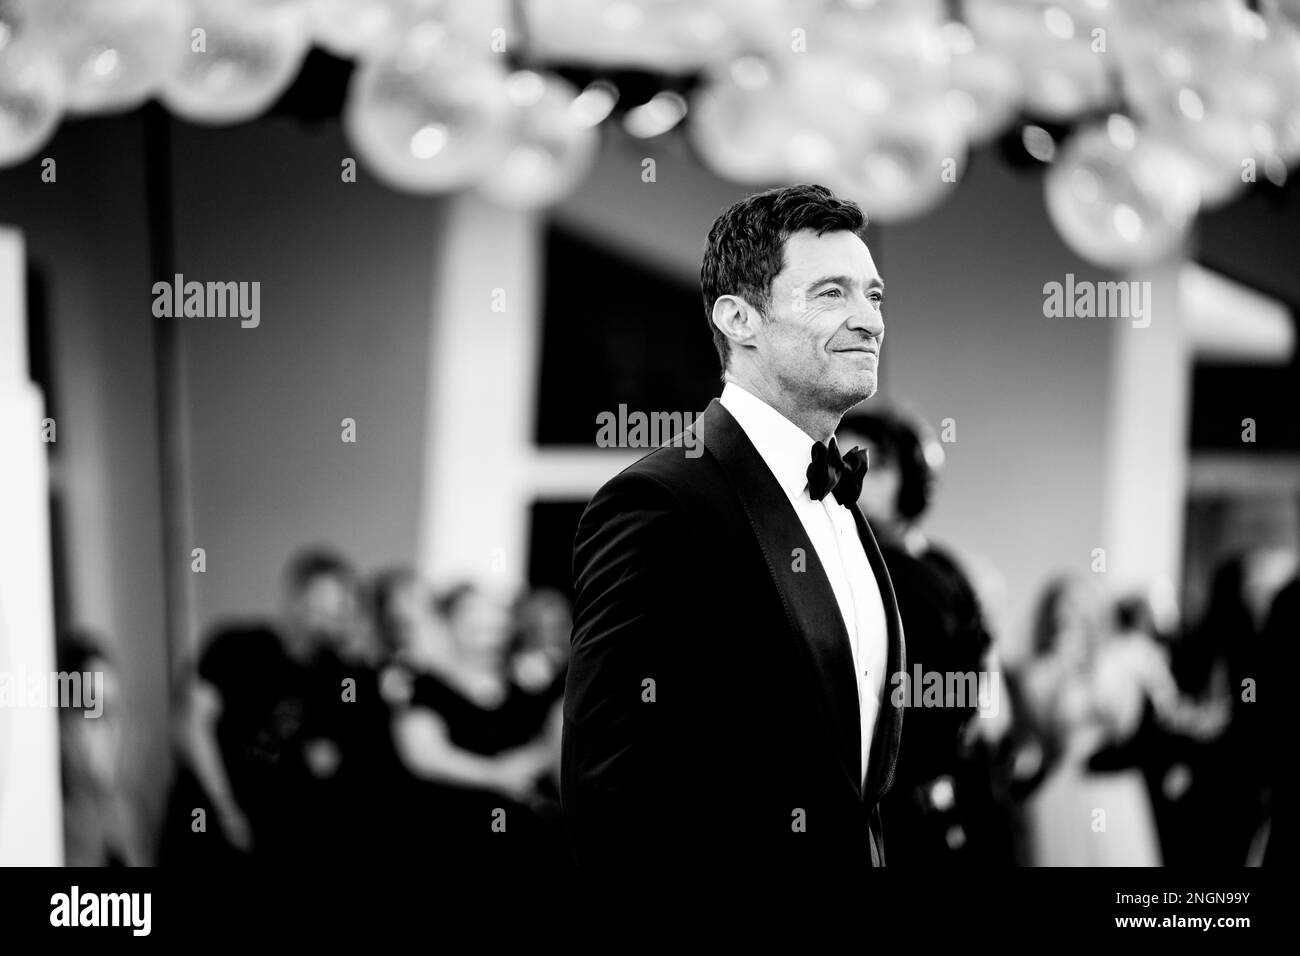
x,y
864,388
849,394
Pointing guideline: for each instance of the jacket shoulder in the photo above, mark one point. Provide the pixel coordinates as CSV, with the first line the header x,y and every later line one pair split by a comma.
x,y
668,470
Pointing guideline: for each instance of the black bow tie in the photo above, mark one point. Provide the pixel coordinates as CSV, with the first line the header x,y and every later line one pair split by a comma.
x,y
828,472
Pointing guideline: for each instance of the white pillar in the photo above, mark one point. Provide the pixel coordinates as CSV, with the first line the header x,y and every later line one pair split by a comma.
x,y
481,395
1148,433
482,467
31,818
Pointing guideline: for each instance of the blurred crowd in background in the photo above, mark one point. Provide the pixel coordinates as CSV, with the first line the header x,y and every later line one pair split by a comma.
x,y
373,720
379,720
1124,738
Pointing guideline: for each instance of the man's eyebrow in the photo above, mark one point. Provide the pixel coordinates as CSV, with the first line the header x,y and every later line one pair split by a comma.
x,y
874,283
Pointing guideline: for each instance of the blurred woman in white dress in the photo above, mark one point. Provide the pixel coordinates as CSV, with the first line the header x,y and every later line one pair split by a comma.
x,y
1089,687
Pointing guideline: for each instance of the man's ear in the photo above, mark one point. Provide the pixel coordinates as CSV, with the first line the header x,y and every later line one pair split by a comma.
x,y
736,319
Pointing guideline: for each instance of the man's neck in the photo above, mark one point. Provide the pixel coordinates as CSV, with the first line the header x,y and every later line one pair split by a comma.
x,y
817,423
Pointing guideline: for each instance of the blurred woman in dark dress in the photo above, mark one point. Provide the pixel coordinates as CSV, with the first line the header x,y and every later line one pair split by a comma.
x,y
959,776
474,737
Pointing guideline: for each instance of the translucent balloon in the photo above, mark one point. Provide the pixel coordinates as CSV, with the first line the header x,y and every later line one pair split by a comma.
x,y
1003,22
428,114
800,108
31,96
350,28
739,123
547,147
985,89
832,106
1201,117
906,55
1063,80
1190,72
1161,26
115,53
669,36
907,162
239,58
1060,47
1272,89
871,112
1120,196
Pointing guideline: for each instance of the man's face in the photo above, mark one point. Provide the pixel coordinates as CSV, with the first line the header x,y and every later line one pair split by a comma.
x,y
326,608
824,331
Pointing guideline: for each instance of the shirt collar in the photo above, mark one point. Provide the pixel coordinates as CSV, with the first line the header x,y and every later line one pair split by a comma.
x,y
784,447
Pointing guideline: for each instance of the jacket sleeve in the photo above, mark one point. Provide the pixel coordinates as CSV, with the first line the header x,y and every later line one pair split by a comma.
x,y
629,562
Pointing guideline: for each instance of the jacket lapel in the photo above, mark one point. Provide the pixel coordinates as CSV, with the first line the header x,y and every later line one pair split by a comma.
x,y
811,608
889,722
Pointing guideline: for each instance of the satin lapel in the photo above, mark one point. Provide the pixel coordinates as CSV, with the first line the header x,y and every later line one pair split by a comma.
x,y
889,723
811,608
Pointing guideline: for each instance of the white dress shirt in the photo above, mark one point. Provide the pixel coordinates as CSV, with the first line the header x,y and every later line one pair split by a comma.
x,y
787,450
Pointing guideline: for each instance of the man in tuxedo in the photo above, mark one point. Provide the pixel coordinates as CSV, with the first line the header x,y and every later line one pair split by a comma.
x,y
727,707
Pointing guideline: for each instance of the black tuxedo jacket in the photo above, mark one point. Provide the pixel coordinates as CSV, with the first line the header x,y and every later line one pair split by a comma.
x,y
710,713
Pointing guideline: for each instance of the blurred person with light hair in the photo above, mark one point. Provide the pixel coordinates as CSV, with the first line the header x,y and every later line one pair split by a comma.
x,y
477,741
411,634
1088,686
101,821
1156,728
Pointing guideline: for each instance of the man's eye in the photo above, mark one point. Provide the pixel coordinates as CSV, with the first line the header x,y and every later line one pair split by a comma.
x,y
831,292
878,296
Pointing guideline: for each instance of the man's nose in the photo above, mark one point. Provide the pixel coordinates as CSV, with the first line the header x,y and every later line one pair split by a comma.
x,y
867,317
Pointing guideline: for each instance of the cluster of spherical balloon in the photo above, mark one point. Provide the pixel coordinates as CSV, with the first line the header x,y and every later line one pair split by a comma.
x,y
1178,104
431,106
1174,106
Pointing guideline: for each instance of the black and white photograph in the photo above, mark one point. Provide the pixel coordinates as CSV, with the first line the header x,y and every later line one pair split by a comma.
x,y
598,456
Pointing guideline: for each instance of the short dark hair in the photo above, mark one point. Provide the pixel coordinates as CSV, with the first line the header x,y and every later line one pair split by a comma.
x,y
746,246
311,563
